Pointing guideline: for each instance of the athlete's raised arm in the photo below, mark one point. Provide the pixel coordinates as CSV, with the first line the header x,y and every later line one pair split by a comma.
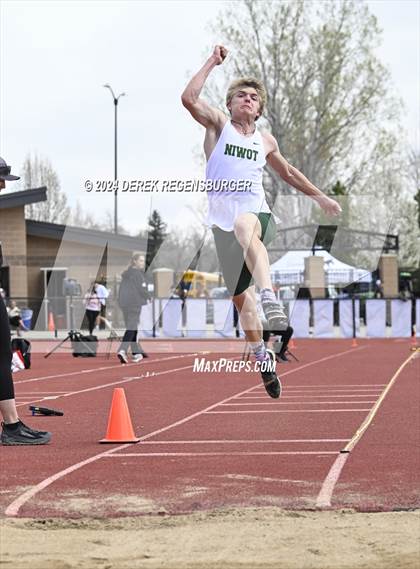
x,y
203,113
295,178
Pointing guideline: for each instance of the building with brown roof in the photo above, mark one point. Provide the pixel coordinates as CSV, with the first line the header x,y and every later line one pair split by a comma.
x,y
39,255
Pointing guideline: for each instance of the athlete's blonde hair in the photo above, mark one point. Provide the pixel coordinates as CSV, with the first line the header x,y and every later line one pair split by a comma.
x,y
238,84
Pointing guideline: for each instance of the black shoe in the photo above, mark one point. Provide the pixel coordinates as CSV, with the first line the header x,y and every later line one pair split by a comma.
x,y
282,358
275,315
23,435
271,381
33,432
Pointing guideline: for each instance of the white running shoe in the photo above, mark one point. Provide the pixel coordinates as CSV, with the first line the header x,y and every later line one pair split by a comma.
x,y
275,315
137,358
122,356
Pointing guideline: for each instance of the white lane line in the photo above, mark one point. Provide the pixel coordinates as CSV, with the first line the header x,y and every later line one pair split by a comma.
x,y
111,384
299,397
295,386
105,385
51,397
325,495
286,411
69,374
15,506
19,398
220,453
280,402
244,441
97,369
328,391
24,393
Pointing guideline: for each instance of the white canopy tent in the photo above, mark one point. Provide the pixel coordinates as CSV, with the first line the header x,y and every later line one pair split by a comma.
x,y
291,267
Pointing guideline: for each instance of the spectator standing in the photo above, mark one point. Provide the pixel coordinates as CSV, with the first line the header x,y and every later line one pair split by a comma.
x,y
132,295
15,317
93,307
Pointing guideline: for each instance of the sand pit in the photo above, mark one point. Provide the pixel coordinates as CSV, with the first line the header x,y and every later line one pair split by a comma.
x,y
231,539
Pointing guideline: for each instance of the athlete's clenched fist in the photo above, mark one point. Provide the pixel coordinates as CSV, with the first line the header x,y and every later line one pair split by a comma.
x,y
219,54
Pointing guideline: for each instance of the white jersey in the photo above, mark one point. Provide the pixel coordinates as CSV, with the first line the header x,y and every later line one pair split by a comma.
x,y
235,157
102,293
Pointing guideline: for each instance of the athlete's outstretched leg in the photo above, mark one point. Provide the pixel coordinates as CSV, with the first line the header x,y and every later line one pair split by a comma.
x,y
246,305
248,232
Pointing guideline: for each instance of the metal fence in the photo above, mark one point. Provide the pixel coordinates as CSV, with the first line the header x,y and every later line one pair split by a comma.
x,y
69,313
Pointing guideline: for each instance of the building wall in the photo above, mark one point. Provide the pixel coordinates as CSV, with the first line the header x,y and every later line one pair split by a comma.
x,y
83,262
41,253
13,238
26,254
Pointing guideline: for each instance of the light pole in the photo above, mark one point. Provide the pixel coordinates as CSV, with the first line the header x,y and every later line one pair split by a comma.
x,y
115,99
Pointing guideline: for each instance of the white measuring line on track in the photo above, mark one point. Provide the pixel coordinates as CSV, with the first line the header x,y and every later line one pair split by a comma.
x,y
280,402
244,441
286,411
335,385
327,489
24,393
301,397
333,391
15,506
220,453
96,369
294,386
105,385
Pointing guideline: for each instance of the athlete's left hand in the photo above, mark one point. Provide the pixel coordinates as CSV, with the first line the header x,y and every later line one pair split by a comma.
x,y
330,206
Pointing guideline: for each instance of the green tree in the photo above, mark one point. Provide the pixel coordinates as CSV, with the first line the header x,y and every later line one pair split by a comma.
x,y
414,178
156,235
341,193
417,200
330,105
339,189
37,172
327,93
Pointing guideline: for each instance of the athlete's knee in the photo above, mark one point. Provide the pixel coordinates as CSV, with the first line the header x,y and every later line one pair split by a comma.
x,y
245,230
248,313
250,322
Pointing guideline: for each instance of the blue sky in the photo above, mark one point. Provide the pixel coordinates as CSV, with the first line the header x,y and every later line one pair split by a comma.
x,y
55,57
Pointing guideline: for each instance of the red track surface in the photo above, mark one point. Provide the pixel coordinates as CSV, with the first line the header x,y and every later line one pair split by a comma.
x,y
214,440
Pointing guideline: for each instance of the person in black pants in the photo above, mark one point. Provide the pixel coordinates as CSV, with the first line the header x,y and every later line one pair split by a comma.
x,y
14,432
93,307
279,346
133,294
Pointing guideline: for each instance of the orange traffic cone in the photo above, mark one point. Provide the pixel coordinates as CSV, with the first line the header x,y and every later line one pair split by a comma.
x,y
51,325
120,429
292,344
354,343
